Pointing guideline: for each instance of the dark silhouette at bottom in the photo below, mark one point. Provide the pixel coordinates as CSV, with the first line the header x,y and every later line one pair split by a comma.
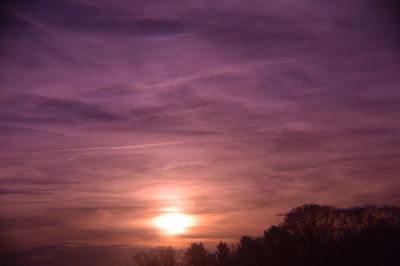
x,y
311,235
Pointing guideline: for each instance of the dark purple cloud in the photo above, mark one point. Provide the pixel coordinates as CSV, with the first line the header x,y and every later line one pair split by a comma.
x,y
29,109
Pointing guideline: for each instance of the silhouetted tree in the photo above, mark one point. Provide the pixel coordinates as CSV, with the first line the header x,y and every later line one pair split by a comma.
x,y
250,251
310,235
279,247
372,233
163,256
223,254
312,226
197,255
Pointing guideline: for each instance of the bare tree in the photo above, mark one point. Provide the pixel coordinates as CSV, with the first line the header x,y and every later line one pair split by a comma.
x,y
162,256
312,226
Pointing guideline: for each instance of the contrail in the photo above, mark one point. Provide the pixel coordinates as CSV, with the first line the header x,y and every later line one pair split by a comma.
x,y
124,147
74,157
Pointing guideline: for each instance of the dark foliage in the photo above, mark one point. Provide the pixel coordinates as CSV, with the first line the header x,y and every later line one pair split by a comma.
x,y
314,235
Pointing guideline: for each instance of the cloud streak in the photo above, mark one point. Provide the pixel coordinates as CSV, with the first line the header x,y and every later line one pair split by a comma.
x,y
125,147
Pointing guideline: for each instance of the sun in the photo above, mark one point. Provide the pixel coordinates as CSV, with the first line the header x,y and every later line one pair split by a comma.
x,y
173,223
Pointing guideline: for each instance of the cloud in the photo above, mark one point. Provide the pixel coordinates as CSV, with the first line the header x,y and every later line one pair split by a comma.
x,y
16,191
125,147
43,110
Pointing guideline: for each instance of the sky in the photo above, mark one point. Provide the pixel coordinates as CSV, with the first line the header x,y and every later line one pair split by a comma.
x,y
113,113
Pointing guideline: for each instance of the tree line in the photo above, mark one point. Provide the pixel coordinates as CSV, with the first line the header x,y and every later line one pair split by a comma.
x,y
308,235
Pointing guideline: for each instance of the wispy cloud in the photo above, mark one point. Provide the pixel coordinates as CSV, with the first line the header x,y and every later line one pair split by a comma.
x,y
125,147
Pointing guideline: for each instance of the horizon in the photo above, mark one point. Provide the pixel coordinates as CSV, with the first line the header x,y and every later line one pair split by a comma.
x,y
342,236
165,123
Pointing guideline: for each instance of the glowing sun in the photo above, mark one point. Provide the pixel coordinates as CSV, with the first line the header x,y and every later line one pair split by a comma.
x,y
173,223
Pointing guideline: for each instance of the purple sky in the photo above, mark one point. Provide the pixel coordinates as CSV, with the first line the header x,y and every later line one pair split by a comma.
x,y
113,112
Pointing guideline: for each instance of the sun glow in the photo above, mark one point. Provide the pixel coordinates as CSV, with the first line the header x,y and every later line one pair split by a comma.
x,y
173,223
